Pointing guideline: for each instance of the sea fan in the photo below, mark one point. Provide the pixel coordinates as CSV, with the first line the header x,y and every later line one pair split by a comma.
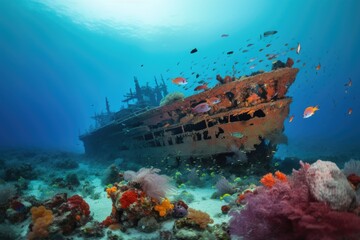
x,y
352,167
224,186
153,184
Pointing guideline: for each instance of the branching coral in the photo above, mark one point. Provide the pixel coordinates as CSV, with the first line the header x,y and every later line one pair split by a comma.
x,y
153,184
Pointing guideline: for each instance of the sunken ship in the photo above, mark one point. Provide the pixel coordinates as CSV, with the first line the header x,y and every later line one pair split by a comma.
x,y
249,114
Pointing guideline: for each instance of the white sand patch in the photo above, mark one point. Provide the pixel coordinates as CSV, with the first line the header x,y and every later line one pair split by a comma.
x,y
100,208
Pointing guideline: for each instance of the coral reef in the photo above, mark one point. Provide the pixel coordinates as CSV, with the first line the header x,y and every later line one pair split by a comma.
x,y
288,210
164,208
153,184
139,202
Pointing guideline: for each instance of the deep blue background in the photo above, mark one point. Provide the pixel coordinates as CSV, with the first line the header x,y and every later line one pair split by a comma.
x,y
55,73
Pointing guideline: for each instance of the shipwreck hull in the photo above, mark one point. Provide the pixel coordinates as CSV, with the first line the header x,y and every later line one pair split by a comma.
x,y
251,110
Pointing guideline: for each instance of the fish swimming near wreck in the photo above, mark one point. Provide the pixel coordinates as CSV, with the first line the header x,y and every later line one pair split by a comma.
x,y
213,100
201,108
309,111
201,87
179,81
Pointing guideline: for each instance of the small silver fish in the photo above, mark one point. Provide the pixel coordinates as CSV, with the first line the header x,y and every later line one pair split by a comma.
x,y
298,48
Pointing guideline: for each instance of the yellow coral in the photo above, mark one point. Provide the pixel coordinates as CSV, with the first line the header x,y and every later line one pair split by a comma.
x,y
164,207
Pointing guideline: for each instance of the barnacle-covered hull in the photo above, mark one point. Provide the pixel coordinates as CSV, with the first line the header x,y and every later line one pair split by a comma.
x,y
251,110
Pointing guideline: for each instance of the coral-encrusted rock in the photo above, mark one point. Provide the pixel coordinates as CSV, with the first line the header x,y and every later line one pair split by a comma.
x,y
148,224
328,184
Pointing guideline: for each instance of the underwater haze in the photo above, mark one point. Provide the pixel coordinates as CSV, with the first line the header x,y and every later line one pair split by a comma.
x,y
179,119
60,59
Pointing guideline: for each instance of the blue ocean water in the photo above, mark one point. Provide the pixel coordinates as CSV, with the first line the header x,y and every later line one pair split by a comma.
x,y
59,60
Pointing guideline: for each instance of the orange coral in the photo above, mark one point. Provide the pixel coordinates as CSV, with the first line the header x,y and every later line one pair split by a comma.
x,y
268,180
281,176
41,218
164,207
198,217
111,190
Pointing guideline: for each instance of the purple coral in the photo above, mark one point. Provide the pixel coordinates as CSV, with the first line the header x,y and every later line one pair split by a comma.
x,y
153,184
288,211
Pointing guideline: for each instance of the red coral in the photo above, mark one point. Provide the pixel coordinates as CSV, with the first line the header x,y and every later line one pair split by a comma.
x,y
108,221
354,180
128,198
78,203
225,209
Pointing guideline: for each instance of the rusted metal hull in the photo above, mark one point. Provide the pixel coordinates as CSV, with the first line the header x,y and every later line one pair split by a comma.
x,y
251,110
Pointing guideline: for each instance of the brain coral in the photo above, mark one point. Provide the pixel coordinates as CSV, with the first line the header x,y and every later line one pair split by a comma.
x,y
328,184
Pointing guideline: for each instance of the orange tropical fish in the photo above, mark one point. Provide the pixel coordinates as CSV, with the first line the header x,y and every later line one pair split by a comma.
x,y
201,87
291,118
350,111
309,111
179,81
213,100
318,67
